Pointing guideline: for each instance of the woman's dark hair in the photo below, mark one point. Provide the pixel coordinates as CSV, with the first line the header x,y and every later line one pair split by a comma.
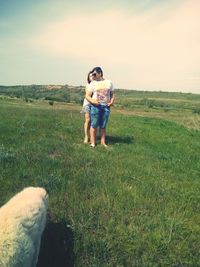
x,y
88,77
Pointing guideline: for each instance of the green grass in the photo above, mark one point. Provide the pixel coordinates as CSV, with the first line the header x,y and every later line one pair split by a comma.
x,y
136,203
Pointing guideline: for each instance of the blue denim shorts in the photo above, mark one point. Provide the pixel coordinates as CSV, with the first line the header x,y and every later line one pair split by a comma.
x,y
99,116
85,109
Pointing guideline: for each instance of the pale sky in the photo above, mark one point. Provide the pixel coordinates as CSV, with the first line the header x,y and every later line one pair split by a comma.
x,y
140,44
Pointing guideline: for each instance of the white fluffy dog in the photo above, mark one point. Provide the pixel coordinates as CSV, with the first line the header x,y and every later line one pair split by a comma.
x,y
22,221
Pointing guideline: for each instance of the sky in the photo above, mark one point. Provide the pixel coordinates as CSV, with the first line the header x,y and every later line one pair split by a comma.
x,y
151,45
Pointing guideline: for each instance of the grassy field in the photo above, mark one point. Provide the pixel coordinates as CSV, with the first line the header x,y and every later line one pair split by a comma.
x,y
136,203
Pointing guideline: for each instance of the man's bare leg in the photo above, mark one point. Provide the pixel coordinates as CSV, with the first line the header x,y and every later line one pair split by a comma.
x,y
103,137
93,133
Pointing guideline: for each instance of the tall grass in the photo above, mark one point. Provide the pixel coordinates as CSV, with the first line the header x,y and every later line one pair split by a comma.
x,y
136,203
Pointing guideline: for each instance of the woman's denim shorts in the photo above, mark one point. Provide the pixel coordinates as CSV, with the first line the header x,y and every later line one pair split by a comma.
x,y
85,109
99,116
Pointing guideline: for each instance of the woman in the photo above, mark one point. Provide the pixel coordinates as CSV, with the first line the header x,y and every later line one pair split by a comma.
x,y
86,110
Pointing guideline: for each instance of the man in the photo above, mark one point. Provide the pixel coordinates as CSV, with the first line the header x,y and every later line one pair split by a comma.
x,y
100,95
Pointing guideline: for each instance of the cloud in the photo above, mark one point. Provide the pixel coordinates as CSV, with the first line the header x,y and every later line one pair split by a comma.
x,y
159,44
122,38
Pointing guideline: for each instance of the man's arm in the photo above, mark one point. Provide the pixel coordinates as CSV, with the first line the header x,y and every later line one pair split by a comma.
x,y
112,99
90,99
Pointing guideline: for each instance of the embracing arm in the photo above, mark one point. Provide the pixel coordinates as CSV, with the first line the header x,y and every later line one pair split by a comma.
x,y
88,95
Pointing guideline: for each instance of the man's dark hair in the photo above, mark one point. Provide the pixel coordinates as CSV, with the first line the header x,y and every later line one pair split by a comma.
x,y
98,70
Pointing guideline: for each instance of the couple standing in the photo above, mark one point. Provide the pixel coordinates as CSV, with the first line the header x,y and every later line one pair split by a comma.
x,y
96,106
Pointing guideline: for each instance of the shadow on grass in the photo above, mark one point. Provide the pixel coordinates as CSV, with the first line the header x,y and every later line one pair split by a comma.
x,y
119,139
57,246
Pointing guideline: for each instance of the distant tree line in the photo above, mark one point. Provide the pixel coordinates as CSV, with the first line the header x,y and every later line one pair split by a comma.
x,y
129,99
63,93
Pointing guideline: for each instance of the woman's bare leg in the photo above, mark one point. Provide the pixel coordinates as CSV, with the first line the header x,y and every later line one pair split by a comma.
x,y
86,127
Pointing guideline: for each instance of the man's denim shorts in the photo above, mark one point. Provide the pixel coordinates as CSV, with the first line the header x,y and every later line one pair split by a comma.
x,y
99,116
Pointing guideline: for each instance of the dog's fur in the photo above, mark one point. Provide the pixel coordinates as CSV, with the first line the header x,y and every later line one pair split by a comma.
x,y
22,221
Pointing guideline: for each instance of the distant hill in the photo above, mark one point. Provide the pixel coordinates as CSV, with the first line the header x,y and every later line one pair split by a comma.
x,y
60,93
124,98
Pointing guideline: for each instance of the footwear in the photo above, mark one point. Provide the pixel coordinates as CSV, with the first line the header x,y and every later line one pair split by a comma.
x,y
92,145
104,145
85,141
107,147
